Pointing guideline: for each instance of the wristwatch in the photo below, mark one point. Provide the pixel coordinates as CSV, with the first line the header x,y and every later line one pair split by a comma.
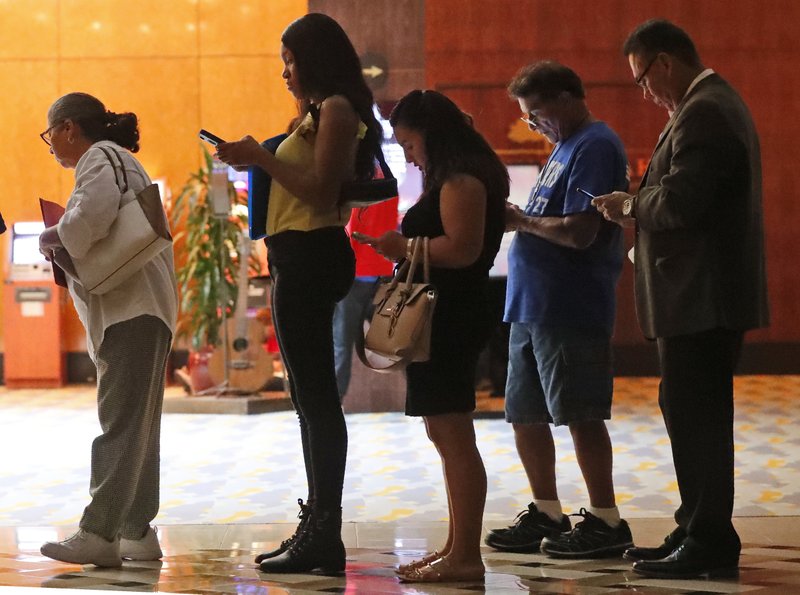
x,y
627,207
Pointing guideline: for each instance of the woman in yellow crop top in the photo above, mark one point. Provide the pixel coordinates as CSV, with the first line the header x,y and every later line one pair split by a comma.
x,y
311,262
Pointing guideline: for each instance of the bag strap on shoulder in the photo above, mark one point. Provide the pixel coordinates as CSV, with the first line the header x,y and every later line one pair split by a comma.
x,y
114,167
387,172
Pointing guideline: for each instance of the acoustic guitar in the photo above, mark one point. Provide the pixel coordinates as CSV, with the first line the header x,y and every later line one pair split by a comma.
x,y
248,365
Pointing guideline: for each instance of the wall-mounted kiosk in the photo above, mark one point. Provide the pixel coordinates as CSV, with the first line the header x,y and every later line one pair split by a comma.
x,y
33,315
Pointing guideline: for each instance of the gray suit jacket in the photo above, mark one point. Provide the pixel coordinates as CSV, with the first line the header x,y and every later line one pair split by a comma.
x,y
699,257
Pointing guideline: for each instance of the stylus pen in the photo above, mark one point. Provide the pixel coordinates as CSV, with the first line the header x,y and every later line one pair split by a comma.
x,y
582,191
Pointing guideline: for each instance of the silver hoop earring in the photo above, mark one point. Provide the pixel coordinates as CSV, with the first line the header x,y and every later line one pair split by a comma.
x,y
71,140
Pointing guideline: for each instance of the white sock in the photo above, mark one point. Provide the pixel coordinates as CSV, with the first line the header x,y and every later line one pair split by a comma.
x,y
610,516
551,508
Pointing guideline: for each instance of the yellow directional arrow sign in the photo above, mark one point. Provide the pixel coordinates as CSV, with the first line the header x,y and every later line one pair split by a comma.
x,y
372,71
375,69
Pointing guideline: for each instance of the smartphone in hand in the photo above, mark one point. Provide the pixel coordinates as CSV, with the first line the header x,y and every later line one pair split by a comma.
x,y
212,139
362,238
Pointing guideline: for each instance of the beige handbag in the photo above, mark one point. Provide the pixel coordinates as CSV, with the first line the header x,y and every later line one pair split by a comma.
x,y
400,328
137,235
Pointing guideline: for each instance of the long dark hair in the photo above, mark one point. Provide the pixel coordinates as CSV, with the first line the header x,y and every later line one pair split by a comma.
x,y
95,122
452,145
327,64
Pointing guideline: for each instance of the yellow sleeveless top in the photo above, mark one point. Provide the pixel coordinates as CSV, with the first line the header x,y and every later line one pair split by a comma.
x,y
286,211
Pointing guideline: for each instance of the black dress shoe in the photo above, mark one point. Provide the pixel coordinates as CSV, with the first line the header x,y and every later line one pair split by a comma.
x,y
671,543
690,560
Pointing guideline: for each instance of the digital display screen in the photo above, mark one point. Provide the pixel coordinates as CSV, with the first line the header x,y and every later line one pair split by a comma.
x,y
25,243
523,179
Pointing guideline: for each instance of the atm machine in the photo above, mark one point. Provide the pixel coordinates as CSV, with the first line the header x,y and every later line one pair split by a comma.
x,y
33,314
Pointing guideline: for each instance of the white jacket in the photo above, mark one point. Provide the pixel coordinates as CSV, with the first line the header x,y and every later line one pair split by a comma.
x,y
90,211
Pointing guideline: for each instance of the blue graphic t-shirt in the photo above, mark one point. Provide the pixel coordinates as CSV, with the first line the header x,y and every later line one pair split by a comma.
x,y
552,284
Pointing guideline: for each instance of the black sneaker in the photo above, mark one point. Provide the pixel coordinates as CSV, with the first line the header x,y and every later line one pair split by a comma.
x,y
591,538
527,532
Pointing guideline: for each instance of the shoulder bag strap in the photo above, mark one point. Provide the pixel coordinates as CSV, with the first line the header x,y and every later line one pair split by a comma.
x,y
360,342
387,173
114,167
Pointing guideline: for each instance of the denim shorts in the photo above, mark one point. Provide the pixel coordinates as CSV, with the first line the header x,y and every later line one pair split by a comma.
x,y
558,374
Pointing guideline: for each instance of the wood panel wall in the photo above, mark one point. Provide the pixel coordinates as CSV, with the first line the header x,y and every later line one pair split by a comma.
x,y
473,48
393,29
470,49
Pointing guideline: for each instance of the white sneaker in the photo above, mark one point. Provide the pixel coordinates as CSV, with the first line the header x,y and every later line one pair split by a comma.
x,y
84,548
145,549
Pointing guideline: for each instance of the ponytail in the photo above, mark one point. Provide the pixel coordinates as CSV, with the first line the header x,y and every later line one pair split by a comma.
x,y
95,122
123,129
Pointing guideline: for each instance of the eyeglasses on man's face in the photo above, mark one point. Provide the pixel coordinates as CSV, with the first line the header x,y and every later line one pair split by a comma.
x,y
538,109
640,78
47,135
534,114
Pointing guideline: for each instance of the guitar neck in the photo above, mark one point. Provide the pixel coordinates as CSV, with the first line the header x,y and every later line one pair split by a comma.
x,y
240,314
243,365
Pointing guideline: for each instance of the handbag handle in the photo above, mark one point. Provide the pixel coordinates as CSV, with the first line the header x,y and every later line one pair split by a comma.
x,y
407,268
406,271
417,244
426,261
114,167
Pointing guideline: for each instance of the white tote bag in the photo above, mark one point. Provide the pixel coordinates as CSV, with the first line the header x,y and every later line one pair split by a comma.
x,y
137,235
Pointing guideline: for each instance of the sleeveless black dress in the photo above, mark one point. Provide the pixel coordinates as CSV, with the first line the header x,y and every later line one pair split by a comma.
x,y
462,322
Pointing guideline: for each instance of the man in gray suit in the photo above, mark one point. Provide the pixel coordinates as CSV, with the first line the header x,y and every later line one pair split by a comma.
x,y
700,283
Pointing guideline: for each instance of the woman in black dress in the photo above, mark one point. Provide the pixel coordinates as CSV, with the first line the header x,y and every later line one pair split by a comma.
x,y
461,210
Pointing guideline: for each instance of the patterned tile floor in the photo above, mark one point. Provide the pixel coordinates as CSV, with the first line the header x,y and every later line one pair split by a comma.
x,y
248,469
229,483
218,559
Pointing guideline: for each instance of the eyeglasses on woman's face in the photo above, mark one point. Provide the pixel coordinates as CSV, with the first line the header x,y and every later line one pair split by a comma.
x,y
47,135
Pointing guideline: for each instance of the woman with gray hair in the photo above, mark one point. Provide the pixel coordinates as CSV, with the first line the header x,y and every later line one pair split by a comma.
x,y
128,333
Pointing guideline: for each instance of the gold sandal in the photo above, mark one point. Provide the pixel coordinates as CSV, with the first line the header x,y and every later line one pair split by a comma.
x,y
440,571
427,559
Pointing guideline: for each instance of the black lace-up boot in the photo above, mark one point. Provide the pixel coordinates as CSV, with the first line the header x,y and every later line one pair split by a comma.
x,y
305,512
317,550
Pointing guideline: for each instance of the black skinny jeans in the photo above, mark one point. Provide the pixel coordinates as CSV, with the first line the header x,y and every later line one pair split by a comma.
x,y
311,271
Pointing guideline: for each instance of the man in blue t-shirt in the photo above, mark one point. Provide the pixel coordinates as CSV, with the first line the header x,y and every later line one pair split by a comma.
x,y
563,267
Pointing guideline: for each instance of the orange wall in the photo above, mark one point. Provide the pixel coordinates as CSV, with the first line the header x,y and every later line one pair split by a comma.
x,y
184,64
179,65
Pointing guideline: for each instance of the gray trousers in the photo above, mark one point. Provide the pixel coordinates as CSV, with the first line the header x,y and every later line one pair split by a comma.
x,y
131,369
